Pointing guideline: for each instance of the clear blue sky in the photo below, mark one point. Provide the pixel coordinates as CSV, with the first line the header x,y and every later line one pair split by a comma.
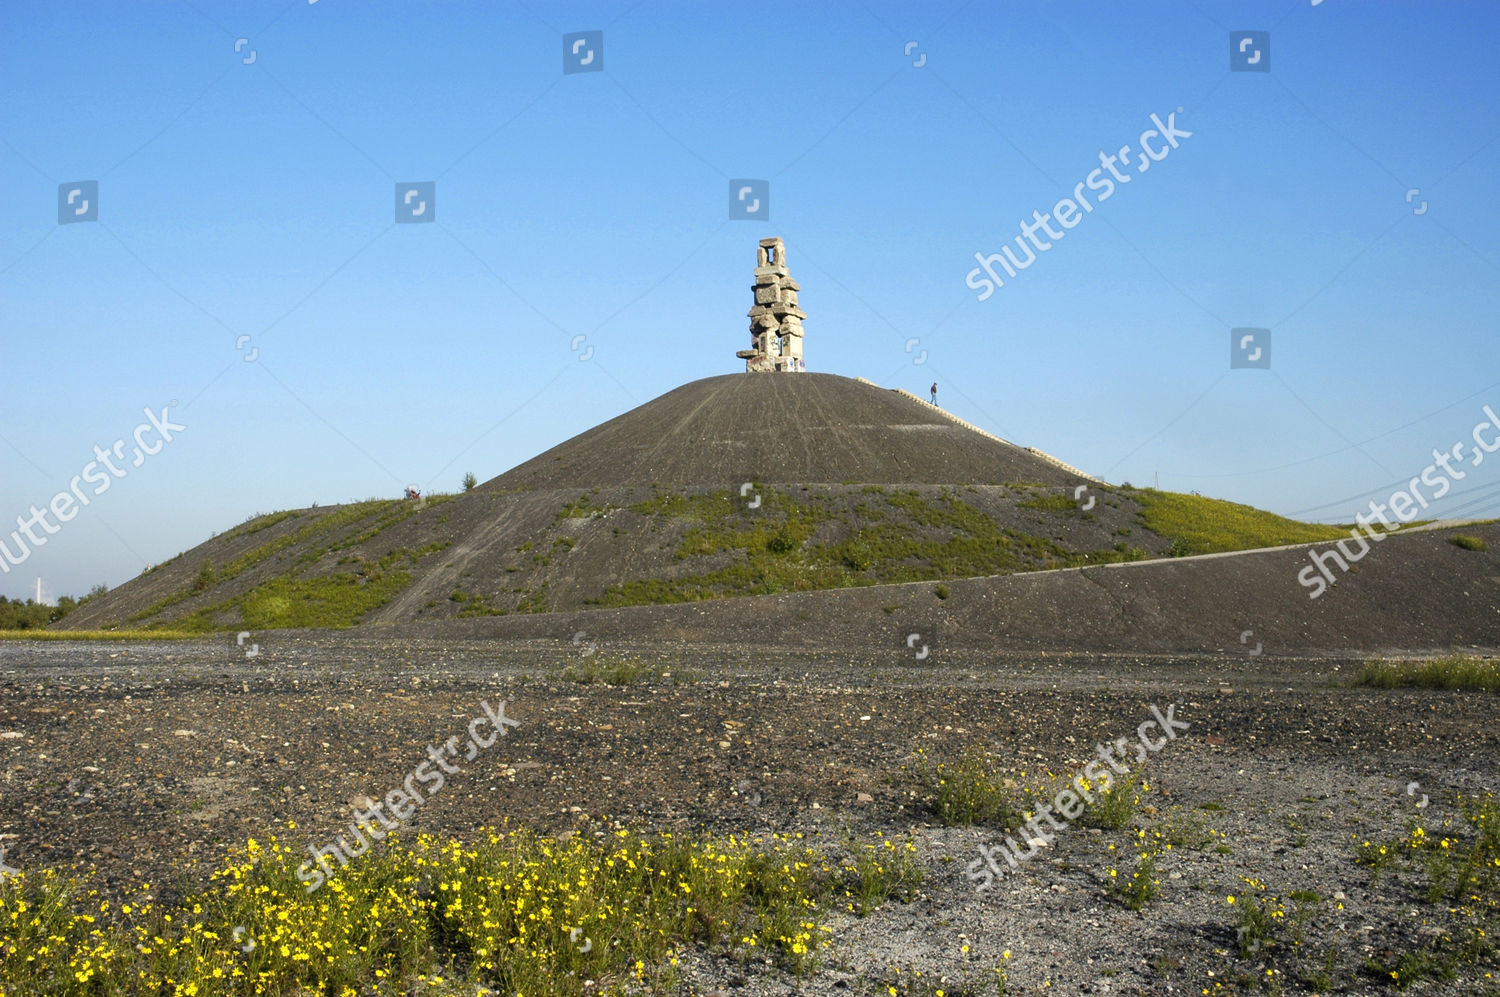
x,y
257,199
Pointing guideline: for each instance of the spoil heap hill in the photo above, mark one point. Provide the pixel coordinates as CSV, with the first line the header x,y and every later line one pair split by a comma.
x,y
804,428
850,486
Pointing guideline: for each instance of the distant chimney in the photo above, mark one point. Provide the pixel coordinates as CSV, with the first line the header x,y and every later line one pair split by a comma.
x,y
775,319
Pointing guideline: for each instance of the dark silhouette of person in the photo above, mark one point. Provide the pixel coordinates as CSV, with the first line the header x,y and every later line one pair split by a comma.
x,y
934,392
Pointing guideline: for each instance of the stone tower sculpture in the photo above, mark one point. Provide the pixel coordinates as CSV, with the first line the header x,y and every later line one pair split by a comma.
x,y
775,319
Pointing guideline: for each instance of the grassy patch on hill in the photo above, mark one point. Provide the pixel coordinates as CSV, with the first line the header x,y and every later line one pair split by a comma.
x,y
327,601
789,544
260,522
1199,525
581,508
209,575
474,604
333,601
795,541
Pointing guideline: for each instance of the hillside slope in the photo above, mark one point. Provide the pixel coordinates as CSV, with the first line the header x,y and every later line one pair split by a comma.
x,y
729,486
803,428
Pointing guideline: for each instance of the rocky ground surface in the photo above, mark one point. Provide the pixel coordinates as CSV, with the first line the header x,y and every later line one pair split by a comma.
x,y
145,762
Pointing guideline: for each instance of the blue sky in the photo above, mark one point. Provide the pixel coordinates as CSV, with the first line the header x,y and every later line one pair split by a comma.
x,y
256,199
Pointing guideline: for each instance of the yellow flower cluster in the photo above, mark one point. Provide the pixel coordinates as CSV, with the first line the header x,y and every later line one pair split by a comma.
x,y
599,912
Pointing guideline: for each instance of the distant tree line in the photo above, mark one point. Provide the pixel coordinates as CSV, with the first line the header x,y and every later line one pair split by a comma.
x,y
16,614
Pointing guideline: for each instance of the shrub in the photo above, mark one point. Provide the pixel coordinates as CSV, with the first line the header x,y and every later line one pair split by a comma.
x,y
1187,831
470,481
782,542
967,792
1114,808
858,558
875,871
1468,543
1141,886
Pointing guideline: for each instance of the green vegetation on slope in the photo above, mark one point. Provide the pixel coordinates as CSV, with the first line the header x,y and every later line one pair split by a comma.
x,y
799,544
334,601
1199,525
793,539
581,508
261,522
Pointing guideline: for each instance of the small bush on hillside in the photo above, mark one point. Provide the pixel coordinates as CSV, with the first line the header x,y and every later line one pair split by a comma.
x,y
782,542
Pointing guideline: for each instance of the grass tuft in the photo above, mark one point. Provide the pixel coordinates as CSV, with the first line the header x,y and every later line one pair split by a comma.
x,y
624,671
1457,672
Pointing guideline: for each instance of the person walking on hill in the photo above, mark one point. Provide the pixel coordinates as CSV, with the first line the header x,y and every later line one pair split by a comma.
x,y
934,392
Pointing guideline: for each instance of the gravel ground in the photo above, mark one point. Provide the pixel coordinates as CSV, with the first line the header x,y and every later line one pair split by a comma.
x,y
145,762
